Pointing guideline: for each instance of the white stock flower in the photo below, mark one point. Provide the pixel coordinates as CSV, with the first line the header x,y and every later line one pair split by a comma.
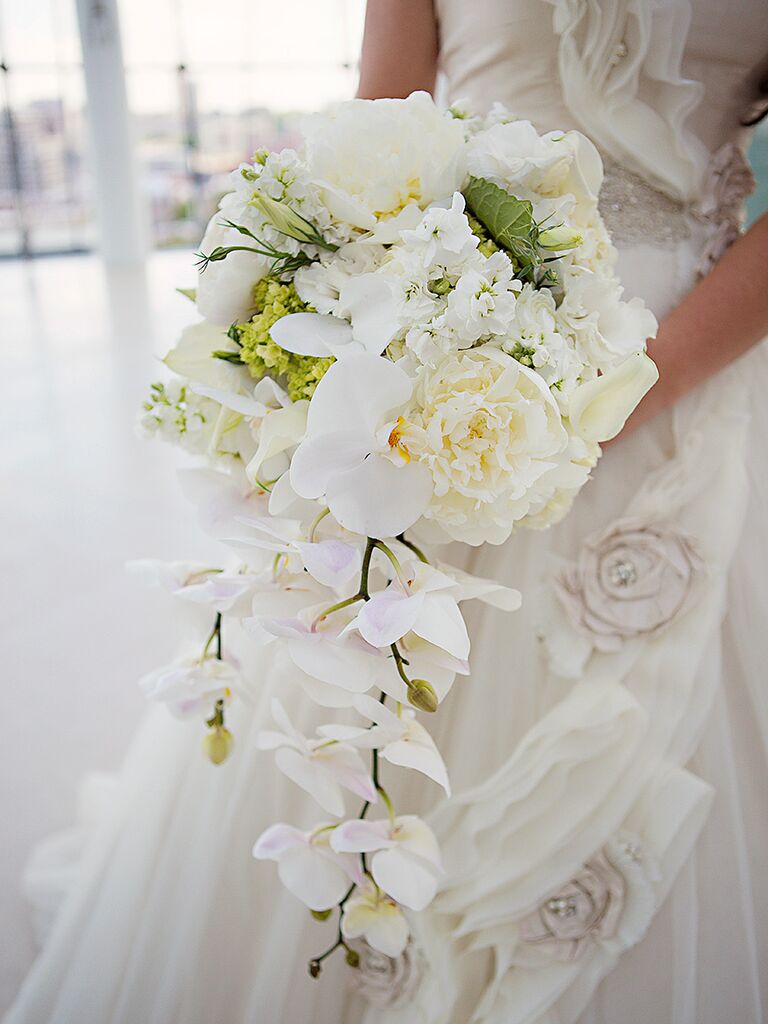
x,y
443,235
306,864
370,158
191,685
489,430
483,302
374,916
321,766
353,454
406,857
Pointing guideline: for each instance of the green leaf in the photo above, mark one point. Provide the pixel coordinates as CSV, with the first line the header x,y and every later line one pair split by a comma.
x,y
189,293
508,220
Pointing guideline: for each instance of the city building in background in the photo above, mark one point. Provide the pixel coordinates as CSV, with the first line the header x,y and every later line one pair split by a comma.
x,y
208,84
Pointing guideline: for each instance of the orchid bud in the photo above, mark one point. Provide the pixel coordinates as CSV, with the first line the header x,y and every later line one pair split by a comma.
x,y
559,237
422,695
321,915
353,958
218,744
314,968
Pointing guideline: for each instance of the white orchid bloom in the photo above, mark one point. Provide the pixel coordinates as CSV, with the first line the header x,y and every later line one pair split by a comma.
x,y
197,582
306,864
399,738
420,605
469,587
374,916
406,857
220,499
332,562
323,655
191,685
353,452
599,408
321,766
367,302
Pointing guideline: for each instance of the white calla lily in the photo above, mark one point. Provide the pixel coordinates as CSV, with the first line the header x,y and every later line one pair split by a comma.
x,y
599,408
369,483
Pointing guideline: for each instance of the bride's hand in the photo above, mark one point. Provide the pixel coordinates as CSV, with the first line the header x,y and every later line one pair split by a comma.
x,y
718,321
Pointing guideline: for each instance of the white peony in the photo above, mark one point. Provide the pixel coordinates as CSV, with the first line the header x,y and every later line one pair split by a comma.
x,y
605,329
515,156
489,431
370,158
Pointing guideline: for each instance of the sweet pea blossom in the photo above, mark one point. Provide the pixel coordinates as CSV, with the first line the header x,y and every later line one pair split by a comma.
x,y
374,916
307,865
321,767
353,453
406,857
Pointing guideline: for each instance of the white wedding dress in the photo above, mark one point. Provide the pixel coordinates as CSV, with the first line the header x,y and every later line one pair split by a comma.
x,y
606,846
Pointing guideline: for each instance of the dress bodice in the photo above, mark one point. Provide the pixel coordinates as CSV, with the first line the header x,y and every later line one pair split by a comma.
x,y
694,65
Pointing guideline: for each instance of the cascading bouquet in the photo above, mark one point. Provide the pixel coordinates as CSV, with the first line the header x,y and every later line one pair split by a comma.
x,y
413,325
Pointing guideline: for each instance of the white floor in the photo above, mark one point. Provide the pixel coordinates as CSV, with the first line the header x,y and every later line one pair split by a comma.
x,y
80,494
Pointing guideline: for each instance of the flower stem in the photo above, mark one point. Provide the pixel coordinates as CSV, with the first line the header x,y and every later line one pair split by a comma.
x,y
416,550
335,608
315,523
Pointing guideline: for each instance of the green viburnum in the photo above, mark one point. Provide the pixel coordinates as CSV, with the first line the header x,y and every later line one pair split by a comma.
x,y
263,356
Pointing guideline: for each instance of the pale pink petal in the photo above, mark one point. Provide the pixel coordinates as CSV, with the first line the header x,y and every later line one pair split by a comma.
x,y
331,562
388,616
360,836
274,841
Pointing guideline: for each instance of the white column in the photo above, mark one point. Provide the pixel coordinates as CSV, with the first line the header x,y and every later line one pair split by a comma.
x,y
122,215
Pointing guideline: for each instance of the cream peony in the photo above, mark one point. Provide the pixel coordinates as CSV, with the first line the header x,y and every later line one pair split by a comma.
x,y
489,430
370,160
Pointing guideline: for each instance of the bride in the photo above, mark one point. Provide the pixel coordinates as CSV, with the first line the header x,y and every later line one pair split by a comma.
x,y
606,845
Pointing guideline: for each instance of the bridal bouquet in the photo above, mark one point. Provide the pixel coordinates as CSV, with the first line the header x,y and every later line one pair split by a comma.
x,y
412,333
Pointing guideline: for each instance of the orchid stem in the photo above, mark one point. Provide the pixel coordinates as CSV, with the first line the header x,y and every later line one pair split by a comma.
x,y
416,550
316,522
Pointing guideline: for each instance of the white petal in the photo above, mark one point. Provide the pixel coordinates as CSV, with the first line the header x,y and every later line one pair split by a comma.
x,y
387,617
378,498
442,624
388,933
315,878
191,357
488,591
356,394
369,301
280,430
310,334
599,408
305,774
387,231
406,879
421,757
244,404
347,768
318,459
415,836
331,562
361,836
336,663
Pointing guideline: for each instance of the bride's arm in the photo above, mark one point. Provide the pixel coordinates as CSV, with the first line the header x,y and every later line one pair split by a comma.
x,y
399,48
718,321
